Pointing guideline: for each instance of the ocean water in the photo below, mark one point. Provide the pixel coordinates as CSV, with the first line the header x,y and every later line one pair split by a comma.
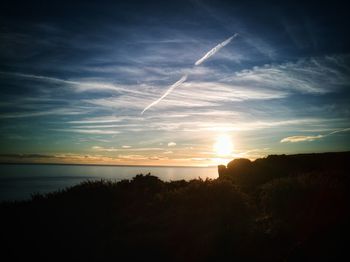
x,y
18,182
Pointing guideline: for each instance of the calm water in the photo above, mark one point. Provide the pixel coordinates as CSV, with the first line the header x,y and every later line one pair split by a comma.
x,y
20,181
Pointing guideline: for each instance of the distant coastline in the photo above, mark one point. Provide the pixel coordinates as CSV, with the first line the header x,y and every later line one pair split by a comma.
x,y
77,164
172,166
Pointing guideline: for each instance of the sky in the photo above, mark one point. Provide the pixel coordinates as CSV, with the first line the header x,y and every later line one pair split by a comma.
x,y
75,77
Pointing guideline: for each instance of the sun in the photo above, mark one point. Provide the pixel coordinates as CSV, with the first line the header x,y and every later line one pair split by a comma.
x,y
223,145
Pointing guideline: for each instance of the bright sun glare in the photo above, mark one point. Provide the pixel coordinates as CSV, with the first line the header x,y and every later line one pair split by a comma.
x,y
223,145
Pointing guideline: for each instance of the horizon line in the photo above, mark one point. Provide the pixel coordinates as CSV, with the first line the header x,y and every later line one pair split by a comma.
x,y
115,165
187,166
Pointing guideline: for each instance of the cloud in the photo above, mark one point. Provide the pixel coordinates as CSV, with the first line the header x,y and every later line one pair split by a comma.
x,y
215,92
316,75
252,125
88,131
79,85
215,50
124,149
263,47
212,94
100,119
294,139
58,158
104,149
56,111
37,77
132,157
21,156
168,152
171,144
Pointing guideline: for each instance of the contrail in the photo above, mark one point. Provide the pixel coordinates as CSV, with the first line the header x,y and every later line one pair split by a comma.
x,y
215,50
338,131
171,88
184,77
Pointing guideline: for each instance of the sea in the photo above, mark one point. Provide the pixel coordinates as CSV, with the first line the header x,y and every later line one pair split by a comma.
x,y
20,182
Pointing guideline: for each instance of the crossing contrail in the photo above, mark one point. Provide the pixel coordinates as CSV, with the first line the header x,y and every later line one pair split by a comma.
x,y
184,77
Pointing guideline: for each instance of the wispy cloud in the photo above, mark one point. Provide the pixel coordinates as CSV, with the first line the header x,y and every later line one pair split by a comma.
x,y
252,125
263,47
125,149
99,120
56,111
319,75
104,149
294,139
80,85
171,144
88,131
274,81
37,77
59,158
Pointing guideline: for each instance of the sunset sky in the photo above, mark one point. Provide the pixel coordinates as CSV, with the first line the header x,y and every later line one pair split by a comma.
x,y
75,77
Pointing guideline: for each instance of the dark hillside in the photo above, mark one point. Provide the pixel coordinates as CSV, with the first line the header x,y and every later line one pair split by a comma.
x,y
248,173
280,208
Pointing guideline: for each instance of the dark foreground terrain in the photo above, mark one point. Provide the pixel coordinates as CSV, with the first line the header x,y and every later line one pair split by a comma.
x,y
279,208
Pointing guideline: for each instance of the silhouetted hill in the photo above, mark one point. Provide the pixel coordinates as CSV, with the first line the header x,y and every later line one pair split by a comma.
x,y
280,208
262,170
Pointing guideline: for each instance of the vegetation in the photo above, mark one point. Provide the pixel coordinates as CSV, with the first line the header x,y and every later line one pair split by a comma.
x,y
280,208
